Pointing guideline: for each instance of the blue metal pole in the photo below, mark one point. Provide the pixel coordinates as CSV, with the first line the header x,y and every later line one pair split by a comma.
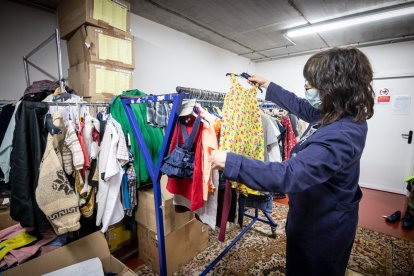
x,y
155,172
258,219
271,221
230,246
138,136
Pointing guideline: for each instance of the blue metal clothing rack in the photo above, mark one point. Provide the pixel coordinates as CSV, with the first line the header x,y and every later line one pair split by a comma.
x,y
155,173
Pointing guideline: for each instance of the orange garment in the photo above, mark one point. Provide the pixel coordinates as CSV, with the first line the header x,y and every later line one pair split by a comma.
x,y
209,143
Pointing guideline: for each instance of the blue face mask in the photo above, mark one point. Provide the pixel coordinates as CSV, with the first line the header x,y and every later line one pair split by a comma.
x,y
312,95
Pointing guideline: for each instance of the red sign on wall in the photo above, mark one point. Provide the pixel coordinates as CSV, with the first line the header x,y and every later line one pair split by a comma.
x,y
384,99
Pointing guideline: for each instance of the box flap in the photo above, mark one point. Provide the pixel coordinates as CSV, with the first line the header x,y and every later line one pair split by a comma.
x,y
93,245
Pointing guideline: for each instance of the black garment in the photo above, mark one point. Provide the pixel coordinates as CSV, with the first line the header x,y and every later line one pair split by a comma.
x,y
29,142
5,117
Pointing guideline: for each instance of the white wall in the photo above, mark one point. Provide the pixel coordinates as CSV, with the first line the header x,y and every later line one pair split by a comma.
x,y
381,167
23,29
166,58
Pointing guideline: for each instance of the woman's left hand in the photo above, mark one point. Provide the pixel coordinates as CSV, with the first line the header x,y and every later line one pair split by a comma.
x,y
218,159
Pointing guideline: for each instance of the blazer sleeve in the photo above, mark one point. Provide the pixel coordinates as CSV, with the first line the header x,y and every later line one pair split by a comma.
x,y
292,103
313,165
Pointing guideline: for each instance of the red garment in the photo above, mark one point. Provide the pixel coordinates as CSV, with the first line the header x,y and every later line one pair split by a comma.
x,y
190,188
290,138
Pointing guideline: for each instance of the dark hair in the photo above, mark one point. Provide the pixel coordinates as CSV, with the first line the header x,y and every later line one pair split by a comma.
x,y
343,77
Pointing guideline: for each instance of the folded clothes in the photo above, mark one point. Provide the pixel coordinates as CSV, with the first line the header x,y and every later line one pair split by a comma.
x,y
22,254
11,231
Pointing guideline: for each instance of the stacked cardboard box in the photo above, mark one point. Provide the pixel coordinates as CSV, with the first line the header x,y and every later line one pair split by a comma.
x,y
184,236
100,46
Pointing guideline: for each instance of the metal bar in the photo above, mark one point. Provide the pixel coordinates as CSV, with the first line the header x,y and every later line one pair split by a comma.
x,y
41,45
26,71
154,173
59,60
230,246
138,136
152,98
271,221
259,219
40,69
172,122
76,104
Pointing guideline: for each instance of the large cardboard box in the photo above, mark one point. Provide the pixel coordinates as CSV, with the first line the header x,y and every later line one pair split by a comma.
x,y
97,82
98,45
91,246
182,245
145,214
110,14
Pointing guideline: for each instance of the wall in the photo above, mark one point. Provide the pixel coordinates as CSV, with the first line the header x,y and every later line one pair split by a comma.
x,y
166,58
387,158
23,29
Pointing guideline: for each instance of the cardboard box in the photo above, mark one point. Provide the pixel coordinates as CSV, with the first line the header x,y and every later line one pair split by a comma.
x,y
118,236
94,44
91,246
145,214
182,245
109,14
98,82
5,219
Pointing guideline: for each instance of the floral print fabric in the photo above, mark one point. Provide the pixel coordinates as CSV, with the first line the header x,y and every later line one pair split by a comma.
x,y
242,129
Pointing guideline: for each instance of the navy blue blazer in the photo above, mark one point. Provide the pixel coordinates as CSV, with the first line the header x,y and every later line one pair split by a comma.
x,y
321,180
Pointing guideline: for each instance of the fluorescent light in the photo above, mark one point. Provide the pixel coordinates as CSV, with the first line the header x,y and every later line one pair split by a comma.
x,y
346,22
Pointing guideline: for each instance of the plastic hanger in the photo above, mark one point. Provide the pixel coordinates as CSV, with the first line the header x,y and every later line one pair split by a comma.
x,y
197,113
246,76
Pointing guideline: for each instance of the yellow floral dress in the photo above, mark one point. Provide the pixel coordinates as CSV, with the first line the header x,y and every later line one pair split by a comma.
x,y
242,129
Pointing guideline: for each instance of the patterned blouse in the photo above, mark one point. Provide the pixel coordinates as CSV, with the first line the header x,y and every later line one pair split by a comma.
x,y
242,129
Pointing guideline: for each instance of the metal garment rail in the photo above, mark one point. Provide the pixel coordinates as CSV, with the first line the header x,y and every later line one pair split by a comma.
x,y
55,36
155,173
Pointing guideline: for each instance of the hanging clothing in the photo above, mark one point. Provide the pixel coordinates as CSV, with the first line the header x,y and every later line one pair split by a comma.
x,y
110,209
6,146
190,188
321,179
28,146
6,115
290,138
54,195
153,136
271,140
242,129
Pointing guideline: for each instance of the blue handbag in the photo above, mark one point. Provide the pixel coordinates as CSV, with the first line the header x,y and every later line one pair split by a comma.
x,y
180,163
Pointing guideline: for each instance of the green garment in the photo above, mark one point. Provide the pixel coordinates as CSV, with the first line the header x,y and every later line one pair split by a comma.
x,y
153,136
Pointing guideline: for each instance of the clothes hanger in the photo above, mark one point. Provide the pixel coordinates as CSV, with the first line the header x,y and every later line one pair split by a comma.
x,y
246,76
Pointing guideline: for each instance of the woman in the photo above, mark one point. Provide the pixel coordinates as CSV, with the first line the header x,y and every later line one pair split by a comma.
x,y
321,177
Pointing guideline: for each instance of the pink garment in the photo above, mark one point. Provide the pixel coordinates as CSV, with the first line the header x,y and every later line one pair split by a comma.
x,y
20,255
82,143
10,232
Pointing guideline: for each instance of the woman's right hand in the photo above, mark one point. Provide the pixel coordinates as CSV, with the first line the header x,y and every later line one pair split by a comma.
x,y
256,79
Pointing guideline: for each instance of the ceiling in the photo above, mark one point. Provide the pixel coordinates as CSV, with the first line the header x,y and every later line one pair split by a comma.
x,y
256,29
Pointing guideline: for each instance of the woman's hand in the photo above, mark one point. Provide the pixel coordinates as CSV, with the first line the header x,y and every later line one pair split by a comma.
x,y
218,159
259,80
